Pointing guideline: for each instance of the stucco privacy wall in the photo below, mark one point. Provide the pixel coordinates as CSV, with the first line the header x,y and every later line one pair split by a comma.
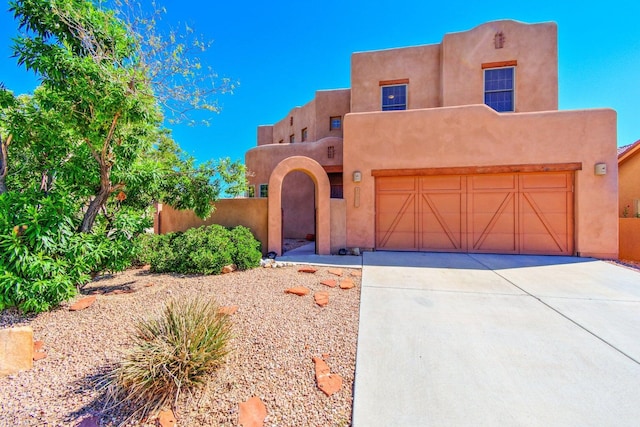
x,y
533,46
478,136
252,213
630,239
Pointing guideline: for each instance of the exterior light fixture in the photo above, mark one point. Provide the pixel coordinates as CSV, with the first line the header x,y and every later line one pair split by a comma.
x,y
600,169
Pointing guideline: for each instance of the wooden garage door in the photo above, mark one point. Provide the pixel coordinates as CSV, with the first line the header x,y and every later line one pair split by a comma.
x,y
528,213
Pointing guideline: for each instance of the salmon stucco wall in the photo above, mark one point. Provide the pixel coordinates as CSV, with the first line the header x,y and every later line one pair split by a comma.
x,y
314,116
251,213
476,135
629,185
533,46
338,225
419,64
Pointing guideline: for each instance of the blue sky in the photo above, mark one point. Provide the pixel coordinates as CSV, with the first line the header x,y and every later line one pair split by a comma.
x,y
281,52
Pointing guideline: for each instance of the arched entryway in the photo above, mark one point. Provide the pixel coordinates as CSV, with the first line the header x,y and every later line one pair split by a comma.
x,y
322,195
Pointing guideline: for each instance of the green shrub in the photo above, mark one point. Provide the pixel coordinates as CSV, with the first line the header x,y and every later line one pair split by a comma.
x,y
204,250
39,267
43,257
172,352
247,252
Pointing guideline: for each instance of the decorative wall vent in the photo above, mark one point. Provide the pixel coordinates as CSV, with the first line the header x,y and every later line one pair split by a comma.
x,y
498,40
331,151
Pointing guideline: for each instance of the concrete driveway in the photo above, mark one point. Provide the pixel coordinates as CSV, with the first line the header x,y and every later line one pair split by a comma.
x,y
497,340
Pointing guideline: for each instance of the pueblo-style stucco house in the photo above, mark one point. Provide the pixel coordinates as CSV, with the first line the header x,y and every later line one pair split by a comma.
x,y
452,147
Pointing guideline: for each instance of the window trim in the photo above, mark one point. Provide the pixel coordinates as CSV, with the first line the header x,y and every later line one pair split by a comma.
x,y
266,188
406,94
500,65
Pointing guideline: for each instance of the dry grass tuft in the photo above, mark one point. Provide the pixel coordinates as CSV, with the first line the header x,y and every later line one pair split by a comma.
x,y
173,352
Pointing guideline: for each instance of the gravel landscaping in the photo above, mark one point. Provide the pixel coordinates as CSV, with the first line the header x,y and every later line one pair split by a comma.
x,y
275,337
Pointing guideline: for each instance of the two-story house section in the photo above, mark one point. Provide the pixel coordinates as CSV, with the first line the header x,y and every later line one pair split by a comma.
x,y
454,147
313,131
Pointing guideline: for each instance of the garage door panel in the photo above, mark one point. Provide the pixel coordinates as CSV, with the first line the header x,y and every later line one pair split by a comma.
x,y
492,182
403,183
441,215
543,243
496,242
395,224
544,181
442,183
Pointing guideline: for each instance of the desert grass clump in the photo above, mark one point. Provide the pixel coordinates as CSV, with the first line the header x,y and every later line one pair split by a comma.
x,y
173,352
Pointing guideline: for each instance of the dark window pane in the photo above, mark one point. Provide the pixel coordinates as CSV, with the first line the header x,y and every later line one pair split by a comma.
x,y
394,97
498,88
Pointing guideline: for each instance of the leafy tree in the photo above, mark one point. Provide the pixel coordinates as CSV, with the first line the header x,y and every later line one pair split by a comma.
x,y
83,157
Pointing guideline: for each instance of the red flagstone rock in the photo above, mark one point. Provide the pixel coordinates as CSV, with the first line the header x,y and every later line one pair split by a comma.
x,y
166,418
89,422
335,271
347,284
83,303
148,285
228,309
37,345
298,290
329,282
252,413
307,270
39,355
321,298
328,383
325,356
146,267
356,273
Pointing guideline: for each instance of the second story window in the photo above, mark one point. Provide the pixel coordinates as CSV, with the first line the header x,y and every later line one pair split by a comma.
x,y
394,97
251,191
335,123
499,88
292,139
304,134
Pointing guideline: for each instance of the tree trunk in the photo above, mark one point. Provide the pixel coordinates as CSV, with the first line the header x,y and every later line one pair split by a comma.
x,y
3,163
99,201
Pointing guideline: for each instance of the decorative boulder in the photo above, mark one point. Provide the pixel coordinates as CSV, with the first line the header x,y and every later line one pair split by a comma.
x,y
16,350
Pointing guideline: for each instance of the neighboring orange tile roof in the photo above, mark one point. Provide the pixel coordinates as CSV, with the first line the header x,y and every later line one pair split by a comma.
x,y
622,150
